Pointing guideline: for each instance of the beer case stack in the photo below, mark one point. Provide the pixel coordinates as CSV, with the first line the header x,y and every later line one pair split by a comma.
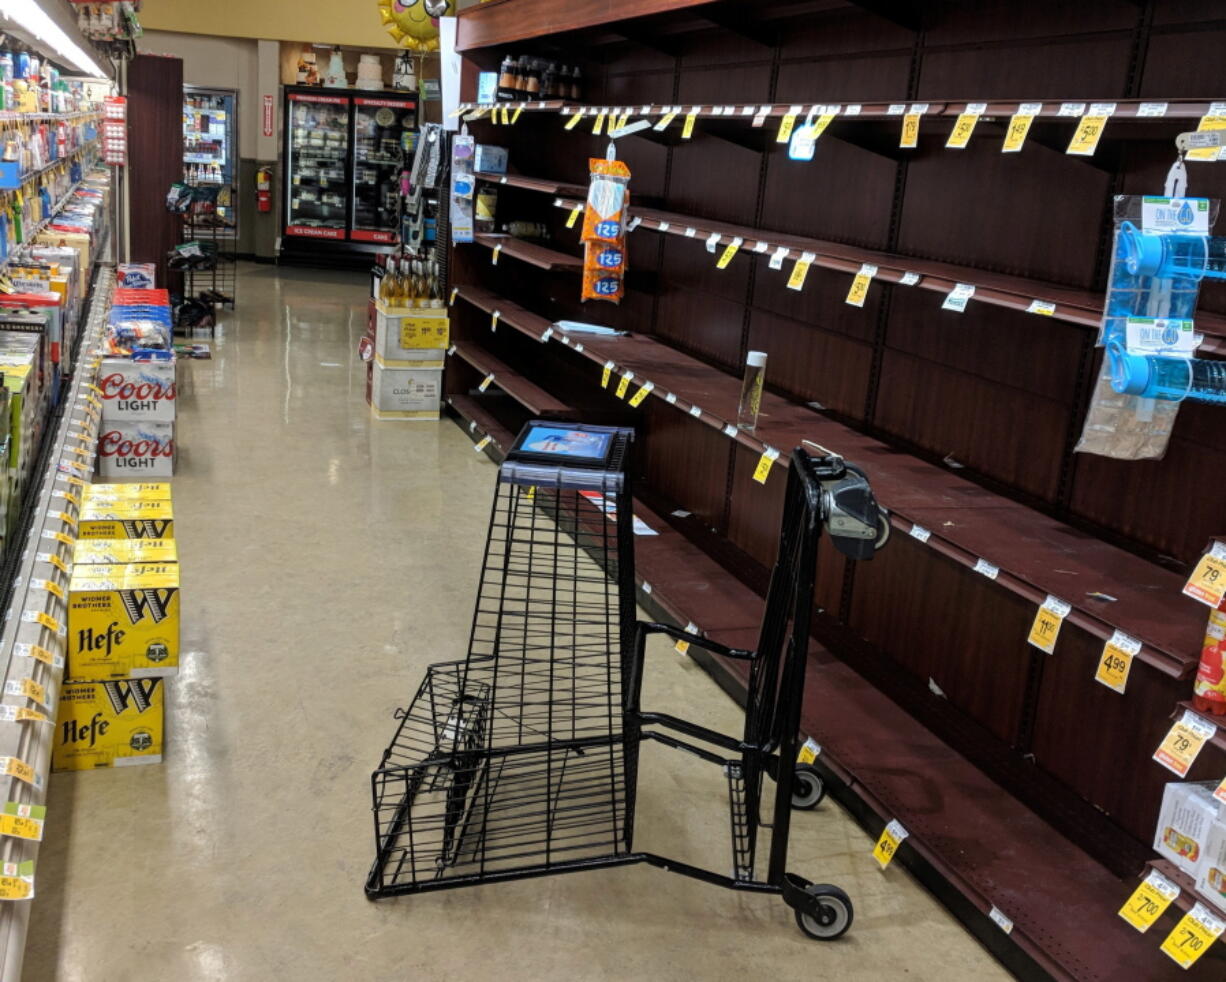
x,y
123,629
138,388
406,372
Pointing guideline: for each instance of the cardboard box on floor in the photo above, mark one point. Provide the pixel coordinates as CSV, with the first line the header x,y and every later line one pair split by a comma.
x,y
406,393
123,518
112,723
123,621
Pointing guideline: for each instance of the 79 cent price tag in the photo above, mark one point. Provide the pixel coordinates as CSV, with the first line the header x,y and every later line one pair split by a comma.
x,y
1047,621
1183,742
1208,581
887,846
1116,661
1148,901
1193,935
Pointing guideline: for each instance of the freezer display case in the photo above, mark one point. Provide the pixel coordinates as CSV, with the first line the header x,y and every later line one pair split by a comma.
x,y
384,131
210,128
317,128
345,152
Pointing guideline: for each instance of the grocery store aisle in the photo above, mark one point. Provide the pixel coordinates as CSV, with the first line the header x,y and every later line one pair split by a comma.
x,y
326,560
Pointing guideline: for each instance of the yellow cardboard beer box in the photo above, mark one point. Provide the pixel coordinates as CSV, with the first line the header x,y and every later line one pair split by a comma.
x,y
109,724
116,552
123,621
125,518
149,490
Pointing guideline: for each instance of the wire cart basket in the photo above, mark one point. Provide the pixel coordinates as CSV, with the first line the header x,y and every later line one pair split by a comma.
x,y
522,759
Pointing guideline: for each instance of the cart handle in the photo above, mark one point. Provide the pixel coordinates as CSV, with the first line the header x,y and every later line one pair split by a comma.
x,y
678,634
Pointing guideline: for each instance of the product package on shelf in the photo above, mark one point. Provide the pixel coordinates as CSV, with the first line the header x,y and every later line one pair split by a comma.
x,y
122,552
1189,812
126,518
140,276
604,231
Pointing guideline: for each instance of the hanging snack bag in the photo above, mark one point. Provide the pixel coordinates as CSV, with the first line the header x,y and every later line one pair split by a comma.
x,y
608,195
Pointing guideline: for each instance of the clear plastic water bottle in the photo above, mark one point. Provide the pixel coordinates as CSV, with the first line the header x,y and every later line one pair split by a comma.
x,y
1170,379
751,391
1171,256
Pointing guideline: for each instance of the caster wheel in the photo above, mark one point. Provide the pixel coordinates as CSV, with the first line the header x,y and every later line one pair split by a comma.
x,y
831,913
808,789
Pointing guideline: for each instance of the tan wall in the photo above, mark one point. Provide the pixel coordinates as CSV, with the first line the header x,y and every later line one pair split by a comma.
x,y
348,22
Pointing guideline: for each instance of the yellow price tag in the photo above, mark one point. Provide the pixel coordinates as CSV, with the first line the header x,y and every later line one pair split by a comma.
x,y
67,519
859,286
39,653
1214,119
797,280
14,888
53,588
787,124
80,451
624,384
887,846
598,127
518,109
47,621
910,131
485,382
762,471
607,374
1183,743
21,828
573,216
665,120
1116,661
808,752
964,126
20,770
1148,901
57,562
63,538
75,482
1193,935
1047,622
638,397
1208,581
729,252
494,315
573,121
25,715
683,647
482,443
30,689
1019,126
1090,130
687,130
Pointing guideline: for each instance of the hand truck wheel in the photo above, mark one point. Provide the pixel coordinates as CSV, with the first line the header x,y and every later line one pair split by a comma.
x,y
808,788
829,915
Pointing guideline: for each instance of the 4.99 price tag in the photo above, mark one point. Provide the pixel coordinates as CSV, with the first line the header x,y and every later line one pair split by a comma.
x,y
1116,661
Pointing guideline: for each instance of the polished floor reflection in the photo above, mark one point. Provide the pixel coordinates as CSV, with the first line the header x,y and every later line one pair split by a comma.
x,y
327,559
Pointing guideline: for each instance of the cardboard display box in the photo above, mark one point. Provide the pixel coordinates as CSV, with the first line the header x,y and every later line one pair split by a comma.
x,y
123,621
123,518
109,724
136,448
411,337
1188,813
118,552
406,393
137,390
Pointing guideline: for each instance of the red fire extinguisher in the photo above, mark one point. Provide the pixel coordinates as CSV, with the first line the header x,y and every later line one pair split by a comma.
x,y
263,189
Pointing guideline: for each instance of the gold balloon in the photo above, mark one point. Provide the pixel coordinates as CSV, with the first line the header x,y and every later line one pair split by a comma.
x,y
410,24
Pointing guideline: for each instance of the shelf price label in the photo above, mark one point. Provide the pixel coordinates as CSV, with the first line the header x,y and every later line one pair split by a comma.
x,y
624,384
13,767
683,647
667,119
687,131
495,254
1214,119
911,125
1208,581
482,443
887,845
23,821
765,462
787,124
1044,308
797,280
606,375
729,252
1116,661
956,299
964,125
809,751
636,400
17,881
1019,126
1183,743
1193,935
598,126
1048,620
573,121
859,285
486,382
1149,901
1090,130
518,109
760,118
573,216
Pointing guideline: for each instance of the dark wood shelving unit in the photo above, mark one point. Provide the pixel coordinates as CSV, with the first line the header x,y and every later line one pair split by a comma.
x,y
929,703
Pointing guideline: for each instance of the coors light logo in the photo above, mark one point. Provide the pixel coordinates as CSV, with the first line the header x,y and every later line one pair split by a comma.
x,y
141,389
135,450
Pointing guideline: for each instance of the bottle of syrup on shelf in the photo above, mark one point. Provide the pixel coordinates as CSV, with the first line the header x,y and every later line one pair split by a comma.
x,y
508,83
1209,689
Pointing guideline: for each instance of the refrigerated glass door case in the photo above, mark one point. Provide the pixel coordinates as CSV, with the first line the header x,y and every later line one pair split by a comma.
x,y
317,140
384,134
210,142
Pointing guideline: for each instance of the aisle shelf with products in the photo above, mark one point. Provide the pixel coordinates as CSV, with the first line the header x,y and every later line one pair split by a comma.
x,y
52,517
871,752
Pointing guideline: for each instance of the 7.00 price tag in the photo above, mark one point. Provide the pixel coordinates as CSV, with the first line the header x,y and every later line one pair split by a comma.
x,y
1149,901
1193,935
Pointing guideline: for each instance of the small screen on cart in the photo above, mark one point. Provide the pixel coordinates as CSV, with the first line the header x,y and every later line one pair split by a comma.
x,y
560,441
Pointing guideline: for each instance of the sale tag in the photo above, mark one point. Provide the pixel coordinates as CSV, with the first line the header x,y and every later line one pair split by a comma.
x,y
1116,661
1019,126
957,297
455,290
1183,742
1193,935
887,846
23,821
687,130
808,752
729,252
606,375
859,286
482,443
485,382
28,688
910,131
1047,622
762,471
1090,129
59,537
1148,901
50,586
787,124
638,397
38,654
573,216
518,109
624,384
1044,307
964,126
20,770
797,280
1208,581
598,126
683,647
574,120
1214,119
17,880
